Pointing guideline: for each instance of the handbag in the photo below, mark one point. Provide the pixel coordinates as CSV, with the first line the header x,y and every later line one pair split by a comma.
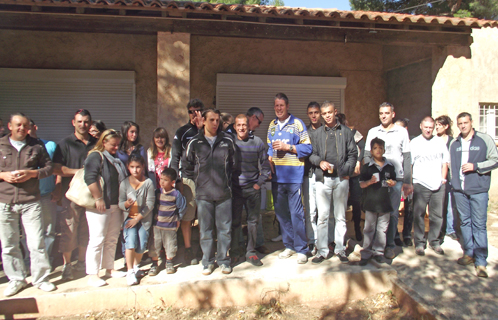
x,y
79,192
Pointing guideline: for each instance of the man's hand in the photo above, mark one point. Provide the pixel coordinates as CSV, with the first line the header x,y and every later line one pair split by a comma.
x,y
256,186
280,146
407,189
21,176
468,167
357,168
324,165
8,176
199,120
272,164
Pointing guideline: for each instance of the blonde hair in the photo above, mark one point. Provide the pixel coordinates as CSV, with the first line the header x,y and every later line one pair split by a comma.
x,y
104,137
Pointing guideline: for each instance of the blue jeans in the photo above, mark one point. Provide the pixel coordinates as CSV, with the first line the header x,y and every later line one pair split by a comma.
x,y
395,195
450,221
136,237
331,190
290,214
211,214
31,216
473,210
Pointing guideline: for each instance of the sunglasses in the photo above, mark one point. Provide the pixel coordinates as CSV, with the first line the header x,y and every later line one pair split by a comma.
x,y
194,111
259,121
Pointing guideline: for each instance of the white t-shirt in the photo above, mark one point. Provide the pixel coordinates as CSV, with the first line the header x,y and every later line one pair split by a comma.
x,y
17,144
428,157
281,124
397,143
465,158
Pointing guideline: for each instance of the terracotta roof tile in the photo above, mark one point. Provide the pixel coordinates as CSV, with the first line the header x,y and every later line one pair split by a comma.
x,y
270,11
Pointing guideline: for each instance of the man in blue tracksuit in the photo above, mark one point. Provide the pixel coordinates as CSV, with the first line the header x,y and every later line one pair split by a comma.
x,y
473,156
289,144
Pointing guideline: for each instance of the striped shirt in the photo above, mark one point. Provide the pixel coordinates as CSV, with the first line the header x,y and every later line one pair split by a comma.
x,y
171,209
252,154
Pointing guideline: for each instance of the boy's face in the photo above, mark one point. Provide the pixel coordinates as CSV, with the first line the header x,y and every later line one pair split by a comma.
x,y
377,151
166,183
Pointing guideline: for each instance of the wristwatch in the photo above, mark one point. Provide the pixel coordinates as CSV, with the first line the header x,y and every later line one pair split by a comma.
x,y
291,148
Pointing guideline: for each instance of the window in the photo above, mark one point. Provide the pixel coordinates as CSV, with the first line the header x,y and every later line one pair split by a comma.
x,y
488,115
235,93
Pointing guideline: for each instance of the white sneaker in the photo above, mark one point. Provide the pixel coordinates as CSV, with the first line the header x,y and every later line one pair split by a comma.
x,y
131,278
287,253
277,238
14,287
46,286
302,258
96,282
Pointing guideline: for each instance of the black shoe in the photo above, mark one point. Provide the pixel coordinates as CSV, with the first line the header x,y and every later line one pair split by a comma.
x,y
379,259
453,236
342,256
154,270
262,249
398,242
408,242
364,262
190,258
317,259
254,260
420,251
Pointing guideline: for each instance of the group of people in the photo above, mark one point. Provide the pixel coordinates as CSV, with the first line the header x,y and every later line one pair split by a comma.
x,y
215,167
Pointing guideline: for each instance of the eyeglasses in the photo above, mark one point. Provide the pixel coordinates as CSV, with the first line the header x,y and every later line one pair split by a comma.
x,y
194,111
259,121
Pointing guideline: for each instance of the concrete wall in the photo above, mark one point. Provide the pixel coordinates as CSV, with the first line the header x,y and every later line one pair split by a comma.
x,y
361,64
90,51
464,78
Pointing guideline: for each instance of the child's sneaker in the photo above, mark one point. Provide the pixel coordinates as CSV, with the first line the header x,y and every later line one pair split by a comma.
x,y
131,278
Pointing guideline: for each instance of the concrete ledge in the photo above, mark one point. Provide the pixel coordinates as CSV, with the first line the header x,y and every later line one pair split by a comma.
x,y
281,280
412,304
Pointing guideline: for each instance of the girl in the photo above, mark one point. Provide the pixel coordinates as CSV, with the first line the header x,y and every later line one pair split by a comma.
x,y
96,129
104,221
130,143
159,154
136,198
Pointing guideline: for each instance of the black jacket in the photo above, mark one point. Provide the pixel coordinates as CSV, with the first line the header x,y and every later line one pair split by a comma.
x,y
212,166
347,153
182,136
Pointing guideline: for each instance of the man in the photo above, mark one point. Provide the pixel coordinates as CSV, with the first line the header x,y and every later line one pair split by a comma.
x,y
430,160
47,201
2,128
247,180
186,173
69,157
288,143
309,192
398,153
212,153
334,155
23,161
473,155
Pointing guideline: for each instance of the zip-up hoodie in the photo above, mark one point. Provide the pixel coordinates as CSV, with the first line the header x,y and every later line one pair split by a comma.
x,y
346,150
482,154
212,166
32,156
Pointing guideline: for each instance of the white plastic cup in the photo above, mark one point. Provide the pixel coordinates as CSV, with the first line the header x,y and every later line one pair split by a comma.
x,y
376,175
331,170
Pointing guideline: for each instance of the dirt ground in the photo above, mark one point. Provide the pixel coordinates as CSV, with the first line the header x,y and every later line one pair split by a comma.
x,y
380,306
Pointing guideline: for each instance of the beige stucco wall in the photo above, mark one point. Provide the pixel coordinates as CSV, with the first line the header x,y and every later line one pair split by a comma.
x,y
361,64
90,51
461,83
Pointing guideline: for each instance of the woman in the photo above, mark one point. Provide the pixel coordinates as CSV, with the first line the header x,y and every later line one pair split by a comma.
x,y
130,143
443,130
159,154
136,198
96,129
104,221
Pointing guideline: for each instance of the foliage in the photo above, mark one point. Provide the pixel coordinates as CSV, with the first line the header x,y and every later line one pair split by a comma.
x,y
484,9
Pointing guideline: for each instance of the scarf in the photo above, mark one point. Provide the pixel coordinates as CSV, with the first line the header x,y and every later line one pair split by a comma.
x,y
120,167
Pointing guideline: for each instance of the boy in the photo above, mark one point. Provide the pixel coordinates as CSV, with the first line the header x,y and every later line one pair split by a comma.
x,y
376,178
171,206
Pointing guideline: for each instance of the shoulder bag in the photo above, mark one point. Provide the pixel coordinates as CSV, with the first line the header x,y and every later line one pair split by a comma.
x,y
78,191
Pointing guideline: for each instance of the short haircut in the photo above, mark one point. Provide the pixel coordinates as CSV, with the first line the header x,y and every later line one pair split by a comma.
x,y
427,118
403,121
446,121
195,103
341,117
387,104
100,125
170,173
226,117
463,115
242,116
137,157
327,104
205,112
378,141
313,104
83,112
254,111
282,96
18,114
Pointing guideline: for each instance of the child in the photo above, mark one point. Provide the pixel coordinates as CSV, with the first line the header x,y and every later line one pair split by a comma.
x,y
171,209
136,199
376,178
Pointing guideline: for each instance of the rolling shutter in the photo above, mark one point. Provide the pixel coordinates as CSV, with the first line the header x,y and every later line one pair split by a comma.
x,y
235,93
51,97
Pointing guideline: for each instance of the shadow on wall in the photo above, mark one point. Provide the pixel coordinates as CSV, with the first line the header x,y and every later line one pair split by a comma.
x,y
18,307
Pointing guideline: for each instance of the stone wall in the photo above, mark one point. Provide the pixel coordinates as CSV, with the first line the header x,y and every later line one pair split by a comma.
x,y
90,51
